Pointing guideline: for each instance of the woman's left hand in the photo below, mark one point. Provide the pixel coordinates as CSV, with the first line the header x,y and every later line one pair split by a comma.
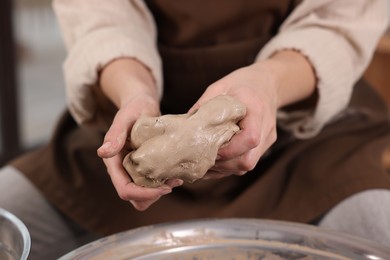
x,y
261,87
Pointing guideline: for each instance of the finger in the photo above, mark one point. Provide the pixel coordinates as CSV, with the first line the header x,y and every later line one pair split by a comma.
x,y
143,205
241,164
126,189
211,174
225,169
247,161
116,136
173,183
246,139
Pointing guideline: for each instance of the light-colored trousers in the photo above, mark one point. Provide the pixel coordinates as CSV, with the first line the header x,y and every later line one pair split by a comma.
x,y
366,214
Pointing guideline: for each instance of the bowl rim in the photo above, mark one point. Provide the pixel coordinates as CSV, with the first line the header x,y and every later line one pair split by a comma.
x,y
149,236
23,231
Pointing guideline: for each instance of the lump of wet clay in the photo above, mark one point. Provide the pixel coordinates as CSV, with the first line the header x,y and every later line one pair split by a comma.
x,y
181,146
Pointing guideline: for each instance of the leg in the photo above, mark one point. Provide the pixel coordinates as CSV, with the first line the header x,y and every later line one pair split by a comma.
x,y
365,214
52,235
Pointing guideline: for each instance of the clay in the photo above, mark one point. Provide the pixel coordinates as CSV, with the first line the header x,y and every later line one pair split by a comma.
x,y
181,146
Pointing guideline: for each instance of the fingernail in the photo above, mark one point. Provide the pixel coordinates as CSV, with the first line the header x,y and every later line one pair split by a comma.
x,y
177,183
165,191
105,146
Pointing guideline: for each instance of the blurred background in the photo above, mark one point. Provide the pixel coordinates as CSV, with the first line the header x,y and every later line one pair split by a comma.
x,y
32,94
32,91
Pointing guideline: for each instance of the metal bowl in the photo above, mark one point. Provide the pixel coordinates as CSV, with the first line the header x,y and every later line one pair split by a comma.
x,y
14,237
230,239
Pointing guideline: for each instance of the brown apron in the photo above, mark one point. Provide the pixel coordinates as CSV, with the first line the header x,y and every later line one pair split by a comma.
x,y
300,180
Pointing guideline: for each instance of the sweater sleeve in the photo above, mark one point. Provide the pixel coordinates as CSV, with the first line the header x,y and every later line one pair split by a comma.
x,y
97,32
338,37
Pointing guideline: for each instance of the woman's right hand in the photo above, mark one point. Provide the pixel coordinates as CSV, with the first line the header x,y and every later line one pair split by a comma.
x,y
130,86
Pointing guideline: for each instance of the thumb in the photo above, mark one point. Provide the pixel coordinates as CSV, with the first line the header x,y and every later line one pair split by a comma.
x,y
116,136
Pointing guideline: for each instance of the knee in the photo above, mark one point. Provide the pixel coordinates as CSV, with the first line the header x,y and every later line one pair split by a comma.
x,y
365,214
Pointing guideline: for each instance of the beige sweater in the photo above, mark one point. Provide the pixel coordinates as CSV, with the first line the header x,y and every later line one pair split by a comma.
x,y
337,36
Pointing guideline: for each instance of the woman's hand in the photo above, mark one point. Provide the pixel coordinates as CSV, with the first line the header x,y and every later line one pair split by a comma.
x,y
130,86
263,87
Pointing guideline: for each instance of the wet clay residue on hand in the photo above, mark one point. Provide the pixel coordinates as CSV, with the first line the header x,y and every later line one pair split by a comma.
x,y
181,146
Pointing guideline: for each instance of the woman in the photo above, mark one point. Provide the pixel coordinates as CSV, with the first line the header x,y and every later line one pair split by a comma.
x,y
302,151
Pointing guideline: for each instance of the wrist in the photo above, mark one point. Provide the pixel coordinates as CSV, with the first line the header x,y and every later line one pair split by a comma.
x,y
124,79
293,75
